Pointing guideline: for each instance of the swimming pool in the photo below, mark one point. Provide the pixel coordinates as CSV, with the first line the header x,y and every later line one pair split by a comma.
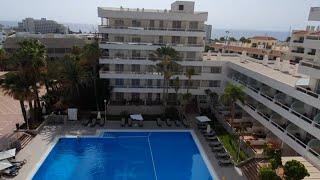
x,y
126,156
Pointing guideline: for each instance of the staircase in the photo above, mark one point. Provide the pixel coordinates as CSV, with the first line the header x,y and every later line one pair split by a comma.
x,y
25,138
250,168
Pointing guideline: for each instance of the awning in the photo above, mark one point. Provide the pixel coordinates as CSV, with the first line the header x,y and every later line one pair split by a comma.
x,y
203,119
4,164
7,154
137,117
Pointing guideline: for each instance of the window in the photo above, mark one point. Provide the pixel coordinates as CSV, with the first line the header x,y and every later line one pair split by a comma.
x,y
136,54
119,55
215,83
136,39
135,68
176,24
181,7
118,22
151,23
175,39
119,67
158,97
136,23
119,39
191,55
119,82
59,50
135,96
119,96
135,82
161,24
192,40
149,83
160,39
150,96
158,83
216,69
193,25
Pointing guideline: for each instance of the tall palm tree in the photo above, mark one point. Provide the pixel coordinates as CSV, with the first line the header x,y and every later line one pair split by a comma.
x,y
232,94
167,66
211,94
30,59
91,56
189,73
176,84
76,52
3,59
72,77
20,88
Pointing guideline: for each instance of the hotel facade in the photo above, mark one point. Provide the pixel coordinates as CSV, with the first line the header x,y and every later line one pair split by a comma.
x,y
283,101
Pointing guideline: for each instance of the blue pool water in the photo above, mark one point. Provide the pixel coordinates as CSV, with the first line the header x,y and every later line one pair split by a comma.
x,y
126,156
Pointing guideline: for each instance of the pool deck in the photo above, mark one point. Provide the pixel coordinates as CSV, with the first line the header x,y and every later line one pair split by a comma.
x,y
41,145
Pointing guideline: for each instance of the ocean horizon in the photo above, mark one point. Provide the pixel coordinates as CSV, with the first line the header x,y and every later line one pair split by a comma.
x,y
216,33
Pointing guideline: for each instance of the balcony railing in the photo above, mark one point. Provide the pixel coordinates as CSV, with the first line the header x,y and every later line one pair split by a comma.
x,y
303,117
313,37
298,41
285,132
311,64
295,51
143,58
153,28
306,91
152,87
151,44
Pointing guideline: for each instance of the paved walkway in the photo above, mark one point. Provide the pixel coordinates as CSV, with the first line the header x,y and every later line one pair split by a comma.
x,y
39,146
10,114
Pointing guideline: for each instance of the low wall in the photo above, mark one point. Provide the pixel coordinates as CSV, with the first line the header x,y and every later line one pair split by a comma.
x,y
150,110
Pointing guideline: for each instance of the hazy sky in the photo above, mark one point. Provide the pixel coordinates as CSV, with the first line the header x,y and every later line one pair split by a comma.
x,y
233,14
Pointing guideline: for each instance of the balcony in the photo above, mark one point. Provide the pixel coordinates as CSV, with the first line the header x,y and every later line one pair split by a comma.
x,y
287,135
278,120
312,42
273,139
283,100
149,46
310,68
267,92
296,110
102,27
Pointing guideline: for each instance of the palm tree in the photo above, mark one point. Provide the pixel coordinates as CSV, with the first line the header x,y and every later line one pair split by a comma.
x,y
72,76
30,59
189,73
186,99
232,94
167,66
91,56
211,94
3,59
76,52
20,88
176,84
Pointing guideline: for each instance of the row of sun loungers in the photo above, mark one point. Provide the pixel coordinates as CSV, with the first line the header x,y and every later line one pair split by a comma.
x,y
129,123
170,123
14,169
216,146
93,122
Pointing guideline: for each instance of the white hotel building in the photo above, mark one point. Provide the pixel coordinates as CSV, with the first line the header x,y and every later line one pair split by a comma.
x,y
283,101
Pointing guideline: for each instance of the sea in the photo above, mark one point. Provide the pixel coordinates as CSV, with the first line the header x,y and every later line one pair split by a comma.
x,y
216,33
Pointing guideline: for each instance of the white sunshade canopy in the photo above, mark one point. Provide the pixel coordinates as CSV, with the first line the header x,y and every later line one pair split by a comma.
x,y
203,119
208,128
5,164
7,154
137,117
99,115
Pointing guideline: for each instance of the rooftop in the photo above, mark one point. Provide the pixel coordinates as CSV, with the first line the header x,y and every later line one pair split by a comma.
x,y
259,68
147,10
248,50
264,38
12,42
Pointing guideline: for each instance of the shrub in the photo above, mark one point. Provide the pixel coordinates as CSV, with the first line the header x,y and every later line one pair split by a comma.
x,y
267,174
295,170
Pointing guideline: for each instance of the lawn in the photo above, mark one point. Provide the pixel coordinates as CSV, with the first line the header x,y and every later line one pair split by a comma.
x,y
226,139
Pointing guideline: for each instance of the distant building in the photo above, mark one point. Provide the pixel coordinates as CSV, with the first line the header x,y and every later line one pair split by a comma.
x,y
3,36
42,26
255,53
263,42
208,29
57,45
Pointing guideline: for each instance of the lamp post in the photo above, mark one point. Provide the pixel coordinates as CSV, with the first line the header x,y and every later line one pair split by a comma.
x,y
240,138
105,109
28,114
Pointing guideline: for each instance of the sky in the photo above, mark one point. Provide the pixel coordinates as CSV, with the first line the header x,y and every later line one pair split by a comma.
x,y
276,15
